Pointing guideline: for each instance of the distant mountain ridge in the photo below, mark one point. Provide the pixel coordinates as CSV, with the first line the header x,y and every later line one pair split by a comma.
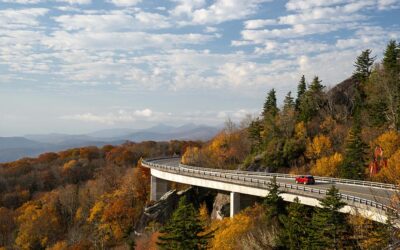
x,y
13,148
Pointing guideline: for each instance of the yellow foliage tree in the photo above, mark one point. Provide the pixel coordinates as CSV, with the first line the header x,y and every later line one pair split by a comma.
x,y
229,230
389,141
369,235
113,217
203,214
391,173
38,223
70,165
327,166
191,156
300,130
320,146
61,245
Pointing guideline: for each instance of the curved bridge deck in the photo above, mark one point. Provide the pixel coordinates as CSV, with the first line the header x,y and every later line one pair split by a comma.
x,y
369,199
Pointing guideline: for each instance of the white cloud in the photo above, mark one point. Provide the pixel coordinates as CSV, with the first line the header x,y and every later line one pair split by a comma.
x,y
22,1
126,116
152,20
143,113
113,21
61,40
106,22
76,1
186,7
69,8
388,4
194,12
124,3
210,29
259,23
292,48
225,10
294,5
121,116
21,18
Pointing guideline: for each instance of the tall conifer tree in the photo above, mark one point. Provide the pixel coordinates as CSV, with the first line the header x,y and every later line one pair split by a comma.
x,y
312,100
363,65
391,58
270,107
275,203
294,234
184,231
391,65
301,90
329,226
288,103
316,87
353,165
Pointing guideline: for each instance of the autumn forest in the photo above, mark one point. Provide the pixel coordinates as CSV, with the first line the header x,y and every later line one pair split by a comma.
x,y
94,198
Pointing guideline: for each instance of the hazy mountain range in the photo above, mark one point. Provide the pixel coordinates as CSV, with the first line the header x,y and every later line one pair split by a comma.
x,y
13,148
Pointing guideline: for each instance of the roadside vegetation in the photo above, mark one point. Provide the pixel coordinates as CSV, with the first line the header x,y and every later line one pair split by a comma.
x,y
348,131
92,198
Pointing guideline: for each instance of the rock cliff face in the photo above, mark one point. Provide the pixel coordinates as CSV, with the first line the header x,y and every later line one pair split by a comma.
x,y
340,99
220,206
161,211
257,164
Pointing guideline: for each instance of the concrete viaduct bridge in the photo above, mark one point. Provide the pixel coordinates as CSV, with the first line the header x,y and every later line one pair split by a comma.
x,y
369,199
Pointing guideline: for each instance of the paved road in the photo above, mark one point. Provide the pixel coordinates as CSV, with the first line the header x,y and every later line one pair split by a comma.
x,y
379,195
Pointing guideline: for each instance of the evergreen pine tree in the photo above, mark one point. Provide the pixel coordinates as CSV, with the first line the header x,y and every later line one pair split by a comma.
x,y
391,58
288,103
270,107
275,204
301,90
312,100
353,165
363,65
391,65
185,230
377,110
294,234
329,226
254,131
316,87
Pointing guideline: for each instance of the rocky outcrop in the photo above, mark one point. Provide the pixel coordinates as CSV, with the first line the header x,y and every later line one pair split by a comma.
x,y
257,164
161,211
220,206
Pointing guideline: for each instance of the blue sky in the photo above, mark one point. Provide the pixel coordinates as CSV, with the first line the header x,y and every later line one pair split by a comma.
x,y
74,66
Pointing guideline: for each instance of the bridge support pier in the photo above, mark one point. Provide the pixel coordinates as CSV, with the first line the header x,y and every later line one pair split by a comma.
x,y
234,204
158,188
240,201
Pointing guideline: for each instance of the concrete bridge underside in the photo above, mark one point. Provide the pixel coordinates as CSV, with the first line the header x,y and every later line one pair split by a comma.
x,y
240,195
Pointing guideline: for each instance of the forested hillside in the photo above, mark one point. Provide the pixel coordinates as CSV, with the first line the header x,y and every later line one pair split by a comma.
x,y
91,198
82,198
348,131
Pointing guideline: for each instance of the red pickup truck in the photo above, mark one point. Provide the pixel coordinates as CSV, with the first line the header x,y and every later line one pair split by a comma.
x,y
305,179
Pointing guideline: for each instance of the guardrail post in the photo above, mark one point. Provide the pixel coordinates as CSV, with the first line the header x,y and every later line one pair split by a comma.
x,y
158,188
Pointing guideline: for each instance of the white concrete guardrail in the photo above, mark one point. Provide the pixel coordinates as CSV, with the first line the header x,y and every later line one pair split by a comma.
x,y
290,176
240,177
317,178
